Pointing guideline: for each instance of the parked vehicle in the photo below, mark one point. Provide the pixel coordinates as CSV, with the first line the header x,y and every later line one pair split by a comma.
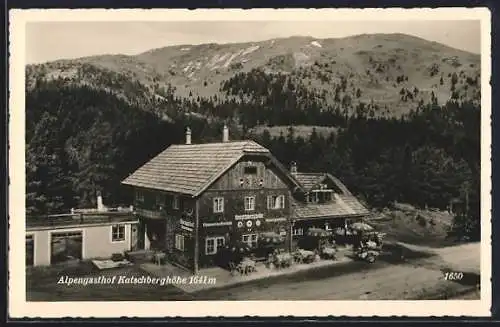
x,y
367,255
369,247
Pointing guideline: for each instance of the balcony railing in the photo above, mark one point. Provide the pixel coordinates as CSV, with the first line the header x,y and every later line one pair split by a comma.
x,y
149,213
79,219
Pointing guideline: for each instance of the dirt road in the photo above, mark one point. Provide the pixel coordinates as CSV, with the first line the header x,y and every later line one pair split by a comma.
x,y
461,258
416,278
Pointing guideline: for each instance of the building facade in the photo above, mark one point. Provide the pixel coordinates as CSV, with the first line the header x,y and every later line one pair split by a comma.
x,y
193,199
51,240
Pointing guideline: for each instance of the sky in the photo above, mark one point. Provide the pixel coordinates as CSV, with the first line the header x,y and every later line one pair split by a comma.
x,y
48,41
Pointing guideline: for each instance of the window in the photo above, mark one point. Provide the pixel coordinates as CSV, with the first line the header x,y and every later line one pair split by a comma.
x,y
327,226
117,233
213,244
179,242
298,231
249,203
314,197
218,205
139,196
281,201
250,170
327,196
175,202
276,202
250,240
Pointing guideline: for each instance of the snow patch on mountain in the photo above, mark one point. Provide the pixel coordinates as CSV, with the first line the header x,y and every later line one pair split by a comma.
x,y
216,60
231,58
316,44
250,50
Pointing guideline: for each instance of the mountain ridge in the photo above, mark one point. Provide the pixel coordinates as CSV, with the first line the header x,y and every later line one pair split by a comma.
x,y
385,68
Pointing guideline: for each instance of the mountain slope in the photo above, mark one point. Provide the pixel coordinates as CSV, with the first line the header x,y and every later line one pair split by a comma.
x,y
395,72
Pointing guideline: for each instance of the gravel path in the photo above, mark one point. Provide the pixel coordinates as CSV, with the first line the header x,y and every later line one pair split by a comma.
x,y
419,278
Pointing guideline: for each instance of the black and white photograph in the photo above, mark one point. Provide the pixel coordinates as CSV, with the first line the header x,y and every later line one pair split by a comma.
x,y
332,159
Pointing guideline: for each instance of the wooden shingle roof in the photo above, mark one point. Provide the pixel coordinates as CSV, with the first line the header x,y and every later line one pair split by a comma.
x,y
309,180
343,206
191,168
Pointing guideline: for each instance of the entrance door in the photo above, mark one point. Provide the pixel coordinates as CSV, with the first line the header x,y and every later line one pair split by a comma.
x,y
66,247
155,229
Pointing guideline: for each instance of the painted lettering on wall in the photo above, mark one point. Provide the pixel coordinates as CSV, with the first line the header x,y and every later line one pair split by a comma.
x,y
220,223
272,220
249,216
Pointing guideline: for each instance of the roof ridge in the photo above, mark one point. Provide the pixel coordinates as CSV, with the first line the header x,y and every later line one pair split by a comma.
x,y
218,143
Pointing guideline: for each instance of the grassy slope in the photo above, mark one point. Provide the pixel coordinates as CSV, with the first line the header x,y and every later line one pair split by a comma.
x,y
408,224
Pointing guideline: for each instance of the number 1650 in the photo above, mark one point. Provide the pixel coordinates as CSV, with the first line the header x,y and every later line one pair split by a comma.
x,y
450,275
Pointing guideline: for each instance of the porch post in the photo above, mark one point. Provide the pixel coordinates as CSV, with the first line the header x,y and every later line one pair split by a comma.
x,y
196,240
147,244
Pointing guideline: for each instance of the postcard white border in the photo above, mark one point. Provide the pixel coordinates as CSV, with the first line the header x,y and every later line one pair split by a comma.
x,y
18,307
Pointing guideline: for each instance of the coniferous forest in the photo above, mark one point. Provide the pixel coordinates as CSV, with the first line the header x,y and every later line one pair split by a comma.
x,y
81,139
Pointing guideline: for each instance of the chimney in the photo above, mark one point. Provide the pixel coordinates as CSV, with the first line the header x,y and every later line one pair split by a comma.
x,y
188,135
225,134
293,168
100,205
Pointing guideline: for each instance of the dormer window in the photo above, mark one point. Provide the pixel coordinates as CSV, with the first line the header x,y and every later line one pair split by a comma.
x,y
314,197
322,196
